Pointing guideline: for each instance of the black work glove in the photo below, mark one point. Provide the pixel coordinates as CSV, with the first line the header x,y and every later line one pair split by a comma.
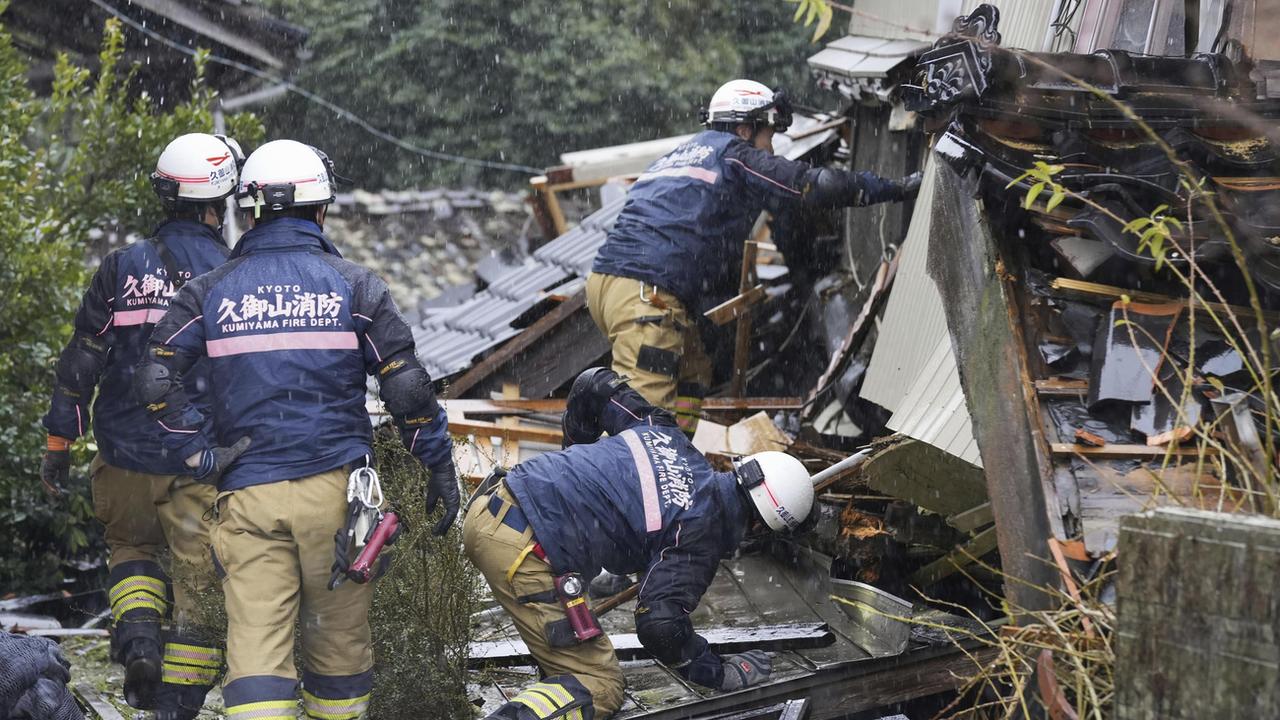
x,y
54,468
591,390
443,485
911,184
33,679
215,461
746,669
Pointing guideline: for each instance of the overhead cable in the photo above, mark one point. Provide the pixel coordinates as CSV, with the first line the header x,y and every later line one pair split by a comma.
x,y
319,100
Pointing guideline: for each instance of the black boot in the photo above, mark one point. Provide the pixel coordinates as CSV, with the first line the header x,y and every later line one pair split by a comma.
x,y
141,658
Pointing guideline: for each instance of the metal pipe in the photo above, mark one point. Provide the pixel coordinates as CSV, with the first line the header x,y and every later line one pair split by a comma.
x,y
852,461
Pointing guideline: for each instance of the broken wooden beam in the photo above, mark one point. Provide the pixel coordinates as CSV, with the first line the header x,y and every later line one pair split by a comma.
x,y
1119,451
1097,291
947,565
734,307
506,432
627,646
531,334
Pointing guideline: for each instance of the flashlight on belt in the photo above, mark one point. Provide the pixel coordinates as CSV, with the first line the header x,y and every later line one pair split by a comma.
x,y
572,591
385,533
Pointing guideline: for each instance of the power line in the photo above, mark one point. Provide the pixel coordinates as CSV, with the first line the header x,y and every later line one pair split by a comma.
x,y
319,100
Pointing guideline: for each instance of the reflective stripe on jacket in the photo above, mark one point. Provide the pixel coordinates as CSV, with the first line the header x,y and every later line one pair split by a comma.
x,y
130,292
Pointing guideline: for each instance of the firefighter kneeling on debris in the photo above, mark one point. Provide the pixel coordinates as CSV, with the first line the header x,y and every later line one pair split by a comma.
x,y
643,500
149,501
290,330
676,248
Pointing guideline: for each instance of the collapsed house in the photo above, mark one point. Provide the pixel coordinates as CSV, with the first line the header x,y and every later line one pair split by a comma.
x,y
1044,372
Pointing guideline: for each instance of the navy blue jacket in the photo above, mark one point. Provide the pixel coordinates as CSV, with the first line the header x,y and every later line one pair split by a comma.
x,y
290,331
643,500
687,216
129,293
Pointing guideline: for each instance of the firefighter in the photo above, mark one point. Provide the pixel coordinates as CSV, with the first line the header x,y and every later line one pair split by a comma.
x,y
676,248
640,501
289,331
146,497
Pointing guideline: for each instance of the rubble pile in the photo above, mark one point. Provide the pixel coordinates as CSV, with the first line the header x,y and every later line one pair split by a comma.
x,y
1143,347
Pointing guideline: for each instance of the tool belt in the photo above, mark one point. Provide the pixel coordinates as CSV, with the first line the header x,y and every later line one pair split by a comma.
x,y
579,624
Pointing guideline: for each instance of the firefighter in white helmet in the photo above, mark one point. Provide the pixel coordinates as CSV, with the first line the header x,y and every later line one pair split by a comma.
x,y
676,248
290,331
149,500
643,500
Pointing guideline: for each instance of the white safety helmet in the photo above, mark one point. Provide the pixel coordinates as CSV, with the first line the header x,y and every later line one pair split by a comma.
x,y
286,173
197,167
780,488
747,101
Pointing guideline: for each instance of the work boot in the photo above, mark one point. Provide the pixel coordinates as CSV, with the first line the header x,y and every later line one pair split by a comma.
x,y
141,673
179,702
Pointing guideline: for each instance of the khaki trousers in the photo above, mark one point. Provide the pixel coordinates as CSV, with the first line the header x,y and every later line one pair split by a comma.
x,y
495,549
275,542
145,515
655,343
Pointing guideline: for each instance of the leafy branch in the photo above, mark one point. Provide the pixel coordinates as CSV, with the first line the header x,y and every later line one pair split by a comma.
x,y
813,10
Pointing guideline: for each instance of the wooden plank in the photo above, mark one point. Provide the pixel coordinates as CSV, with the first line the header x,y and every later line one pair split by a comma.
x,y
627,646
508,351
736,306
718,404
507,433
1062,388
1118,451
547,195
1196,616
972,519
742,333
95,703
947,565
975,278
1098,291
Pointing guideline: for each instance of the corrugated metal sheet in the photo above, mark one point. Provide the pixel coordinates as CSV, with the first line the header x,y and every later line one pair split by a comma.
x,y
1023,23
913,371
913,319
934,410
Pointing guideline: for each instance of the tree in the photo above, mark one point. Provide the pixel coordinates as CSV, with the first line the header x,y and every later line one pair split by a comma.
x,y
71,165
521,82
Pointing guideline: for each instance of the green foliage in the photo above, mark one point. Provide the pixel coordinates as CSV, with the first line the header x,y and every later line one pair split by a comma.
x,y
71,163
422,607
1154,234
1042,173
812,10
520,82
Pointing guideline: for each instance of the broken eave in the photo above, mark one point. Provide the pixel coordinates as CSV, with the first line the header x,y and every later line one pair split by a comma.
x,y
858,65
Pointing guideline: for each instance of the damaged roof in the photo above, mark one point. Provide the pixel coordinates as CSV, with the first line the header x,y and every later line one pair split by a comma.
x,y
452,338
1106,332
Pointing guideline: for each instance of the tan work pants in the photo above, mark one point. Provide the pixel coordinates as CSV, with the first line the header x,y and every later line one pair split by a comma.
x,y
502,556
146,514
275,543
655,343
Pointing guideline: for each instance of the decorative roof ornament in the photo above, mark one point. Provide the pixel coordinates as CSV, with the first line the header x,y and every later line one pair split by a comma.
x,y
958,68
